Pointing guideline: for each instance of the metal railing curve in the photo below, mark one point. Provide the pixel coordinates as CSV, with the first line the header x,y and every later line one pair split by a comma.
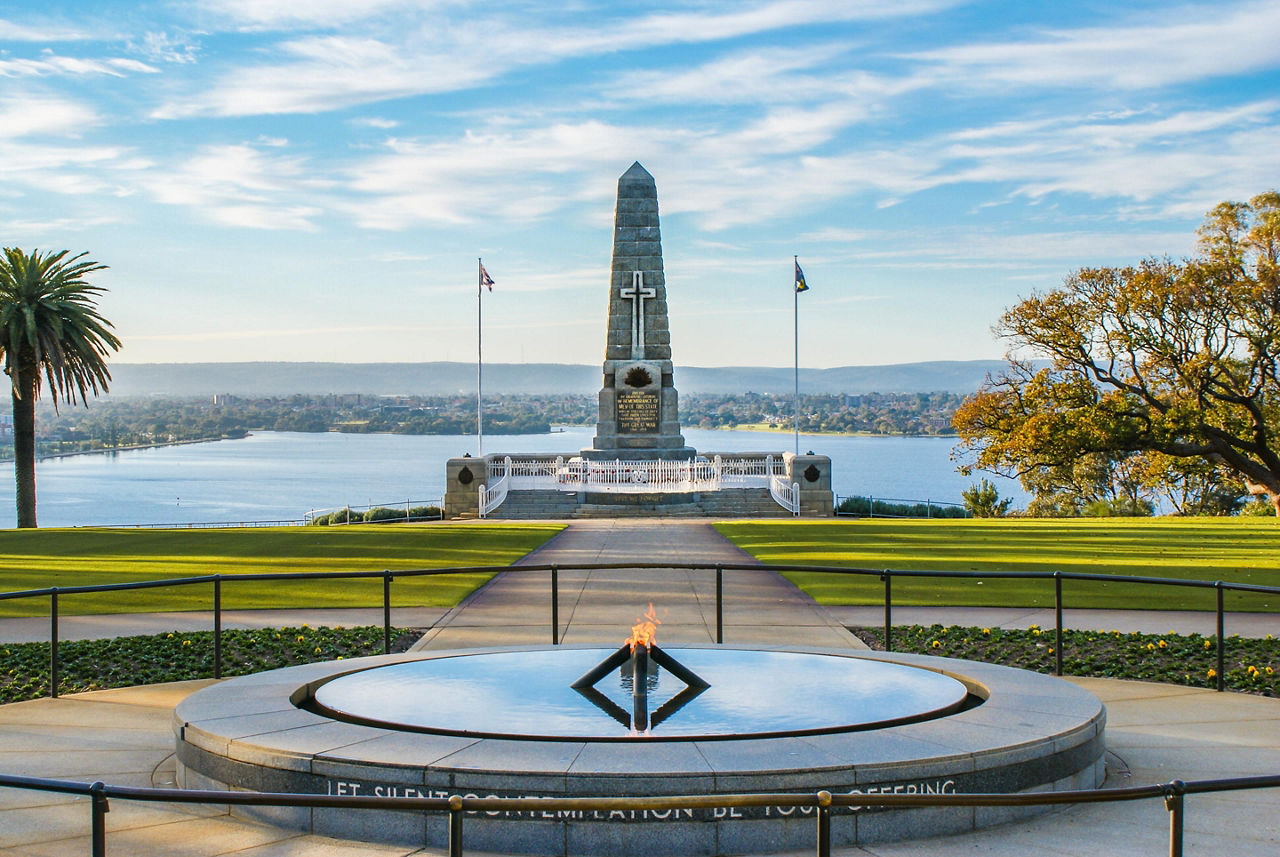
x,y
457,806
885,576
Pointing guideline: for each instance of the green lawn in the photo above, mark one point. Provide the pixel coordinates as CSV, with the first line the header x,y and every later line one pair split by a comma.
x,y
35,559
1242,550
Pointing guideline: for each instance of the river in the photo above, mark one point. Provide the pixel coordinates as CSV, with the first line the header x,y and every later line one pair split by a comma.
x,y
282,475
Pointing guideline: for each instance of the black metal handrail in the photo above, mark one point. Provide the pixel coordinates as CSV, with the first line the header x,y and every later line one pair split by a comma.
x,y
457,806
885,575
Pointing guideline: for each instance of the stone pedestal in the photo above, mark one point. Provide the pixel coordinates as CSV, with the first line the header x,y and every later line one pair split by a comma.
x,y
462,480
813,474
638,405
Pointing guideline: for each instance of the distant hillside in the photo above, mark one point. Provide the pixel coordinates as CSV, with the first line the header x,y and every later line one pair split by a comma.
x,y
436,379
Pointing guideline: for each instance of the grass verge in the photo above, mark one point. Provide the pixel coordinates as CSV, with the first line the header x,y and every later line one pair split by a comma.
x,y
1251,665
1240,550
127,661
35,559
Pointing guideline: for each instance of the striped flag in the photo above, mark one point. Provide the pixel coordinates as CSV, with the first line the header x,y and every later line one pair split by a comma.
x,y
485,279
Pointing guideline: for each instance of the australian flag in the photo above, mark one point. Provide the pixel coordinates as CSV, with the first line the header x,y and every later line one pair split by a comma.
x,y
801,285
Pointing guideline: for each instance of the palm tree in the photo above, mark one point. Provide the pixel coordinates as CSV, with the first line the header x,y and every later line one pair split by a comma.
x,y
50,327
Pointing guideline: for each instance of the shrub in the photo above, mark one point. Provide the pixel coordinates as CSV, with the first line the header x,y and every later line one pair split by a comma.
x,y
383,513
871,507
425,513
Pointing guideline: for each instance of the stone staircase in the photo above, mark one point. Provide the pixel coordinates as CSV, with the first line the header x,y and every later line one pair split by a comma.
x,y
729,503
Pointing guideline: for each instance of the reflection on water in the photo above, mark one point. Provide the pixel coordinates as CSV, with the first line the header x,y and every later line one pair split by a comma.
x,y
530,693
281,475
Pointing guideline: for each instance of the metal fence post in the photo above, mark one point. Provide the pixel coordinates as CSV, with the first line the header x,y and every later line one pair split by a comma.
x,y
824,824
455,826
53,643
98,827
719,603
386,611
1057,631
887,577
1174,801
217,626
555,605
1222,640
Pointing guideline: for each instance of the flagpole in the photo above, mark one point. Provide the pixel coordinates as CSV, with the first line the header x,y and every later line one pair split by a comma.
x,y
795,300
479,359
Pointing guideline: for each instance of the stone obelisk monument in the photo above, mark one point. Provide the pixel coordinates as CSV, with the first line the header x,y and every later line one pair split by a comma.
x,y
639,416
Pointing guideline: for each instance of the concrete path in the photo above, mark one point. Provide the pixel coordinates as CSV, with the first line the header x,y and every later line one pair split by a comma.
x,y
1155,732
601,606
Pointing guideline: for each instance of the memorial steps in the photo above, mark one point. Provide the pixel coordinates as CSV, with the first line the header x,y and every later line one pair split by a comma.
x,y
545,504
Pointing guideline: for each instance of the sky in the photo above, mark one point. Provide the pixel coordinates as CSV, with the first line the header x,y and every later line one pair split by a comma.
x,y
315,181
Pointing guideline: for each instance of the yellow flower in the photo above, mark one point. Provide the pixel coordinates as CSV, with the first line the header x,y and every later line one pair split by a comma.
x,y
1212,673
1270,671
936,644
317,651
277,636
1035,631
986,632
1208,644
301,638
1051,650
1162,644
1034,628
169,636
186,642
1151,647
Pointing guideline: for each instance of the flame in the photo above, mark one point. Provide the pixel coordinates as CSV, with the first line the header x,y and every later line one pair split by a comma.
x,y
645,631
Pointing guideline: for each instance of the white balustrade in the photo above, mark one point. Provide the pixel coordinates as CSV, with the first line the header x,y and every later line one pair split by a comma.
x,y
492,497
785,495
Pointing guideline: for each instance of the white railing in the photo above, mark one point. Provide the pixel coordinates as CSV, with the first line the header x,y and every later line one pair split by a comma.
x,y
785,495
492,497
637,476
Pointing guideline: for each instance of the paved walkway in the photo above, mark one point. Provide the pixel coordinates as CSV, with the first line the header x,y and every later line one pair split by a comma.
x,y
601,606
1155,732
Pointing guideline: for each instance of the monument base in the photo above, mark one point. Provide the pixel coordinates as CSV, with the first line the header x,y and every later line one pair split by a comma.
x,y
681,453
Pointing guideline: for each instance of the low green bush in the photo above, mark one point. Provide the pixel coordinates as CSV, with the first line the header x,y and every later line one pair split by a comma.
x,y
1251,664
176,656
866,507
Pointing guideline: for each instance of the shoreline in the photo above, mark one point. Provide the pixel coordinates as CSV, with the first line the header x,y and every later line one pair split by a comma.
x,y
130,447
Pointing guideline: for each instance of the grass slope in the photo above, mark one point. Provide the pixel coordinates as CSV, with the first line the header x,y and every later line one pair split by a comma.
x,y
34,559
1242,550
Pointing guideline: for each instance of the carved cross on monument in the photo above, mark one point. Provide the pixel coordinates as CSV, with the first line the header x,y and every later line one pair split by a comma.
x,y
637,291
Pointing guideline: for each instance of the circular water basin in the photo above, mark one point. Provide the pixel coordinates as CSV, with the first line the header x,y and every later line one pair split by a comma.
x,y
530,695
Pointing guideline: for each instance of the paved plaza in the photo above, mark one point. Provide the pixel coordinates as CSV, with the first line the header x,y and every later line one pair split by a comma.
x,y
1155,732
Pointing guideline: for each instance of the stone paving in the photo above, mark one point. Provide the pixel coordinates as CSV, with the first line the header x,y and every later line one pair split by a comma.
x,y
1155,732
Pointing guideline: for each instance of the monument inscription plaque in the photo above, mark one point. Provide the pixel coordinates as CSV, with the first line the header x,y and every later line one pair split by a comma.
x,y
637,412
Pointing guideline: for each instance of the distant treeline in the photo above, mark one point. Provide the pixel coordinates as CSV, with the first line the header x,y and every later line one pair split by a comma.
x,y
115,423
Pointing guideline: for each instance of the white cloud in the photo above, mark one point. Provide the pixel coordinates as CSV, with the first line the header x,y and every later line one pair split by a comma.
x,y
1202,42
14,32
238,185
433,54
52,64
374,122
284,14
161,47
38,115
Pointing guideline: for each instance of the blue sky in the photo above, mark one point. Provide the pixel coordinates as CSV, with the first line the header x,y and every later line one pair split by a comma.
x,y
313,181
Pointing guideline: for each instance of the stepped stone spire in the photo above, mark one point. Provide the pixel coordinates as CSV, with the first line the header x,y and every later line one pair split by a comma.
x,y
638,402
